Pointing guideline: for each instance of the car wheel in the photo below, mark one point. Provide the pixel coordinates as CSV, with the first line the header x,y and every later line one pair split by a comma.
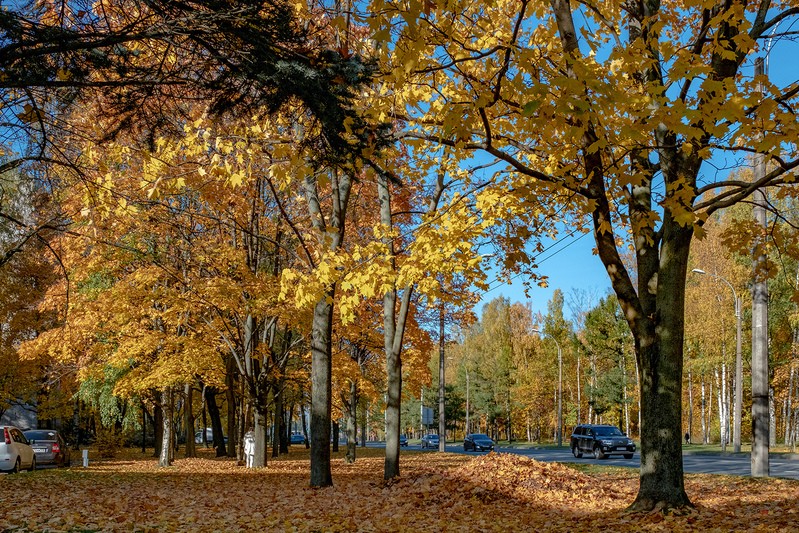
x,y
33,465
628,456
598,453
576,452
17,466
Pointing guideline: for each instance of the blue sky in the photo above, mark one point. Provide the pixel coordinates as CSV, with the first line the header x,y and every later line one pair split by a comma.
x,y
571,264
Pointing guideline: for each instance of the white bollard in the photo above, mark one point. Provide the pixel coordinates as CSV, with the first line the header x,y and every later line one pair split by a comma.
x,y
85,458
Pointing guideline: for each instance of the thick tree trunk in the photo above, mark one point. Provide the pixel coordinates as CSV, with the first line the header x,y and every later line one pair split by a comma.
x,y
166,455
188,415
277,434
216,421
230,397
352,426
659,348
158,426
336,429
321,391
259,448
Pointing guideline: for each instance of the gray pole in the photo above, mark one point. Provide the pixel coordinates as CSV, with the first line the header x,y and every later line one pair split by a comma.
x,y
736,430
442,431
760,385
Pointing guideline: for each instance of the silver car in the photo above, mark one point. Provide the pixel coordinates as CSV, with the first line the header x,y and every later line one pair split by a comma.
x,y
430,441
15,452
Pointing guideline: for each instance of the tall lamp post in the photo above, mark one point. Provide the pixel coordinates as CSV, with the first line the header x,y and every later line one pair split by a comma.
x,y
738,407
559,432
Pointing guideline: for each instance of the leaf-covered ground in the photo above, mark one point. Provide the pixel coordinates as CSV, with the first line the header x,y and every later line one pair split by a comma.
x,y
437,492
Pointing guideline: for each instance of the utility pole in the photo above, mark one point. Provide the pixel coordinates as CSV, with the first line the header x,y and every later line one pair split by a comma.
x,y
760,381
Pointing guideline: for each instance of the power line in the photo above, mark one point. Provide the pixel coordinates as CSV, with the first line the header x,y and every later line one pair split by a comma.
x,y
500,283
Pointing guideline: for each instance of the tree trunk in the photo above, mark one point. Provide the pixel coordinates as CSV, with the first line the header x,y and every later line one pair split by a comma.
x,y
393,333
690,431
188,414
158,426
304,426
702,409
336,430
659,349
230,397
280,425
321,391
166,455
143,428
720,392
788,404
352,426
260,448
216,421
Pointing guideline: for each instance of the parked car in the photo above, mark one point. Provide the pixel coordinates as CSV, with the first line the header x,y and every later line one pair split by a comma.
x,y
49,446
15,452
430,441
478,442
297,438
601,441
403,440
209,432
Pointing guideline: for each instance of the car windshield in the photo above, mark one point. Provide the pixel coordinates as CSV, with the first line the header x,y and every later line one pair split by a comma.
x,y
481,436
608,432
40,435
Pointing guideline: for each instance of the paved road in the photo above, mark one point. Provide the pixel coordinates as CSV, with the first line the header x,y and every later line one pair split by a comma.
x,y
781,465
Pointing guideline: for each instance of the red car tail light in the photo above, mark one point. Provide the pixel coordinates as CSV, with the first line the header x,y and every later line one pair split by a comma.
x,y
7,436
56,447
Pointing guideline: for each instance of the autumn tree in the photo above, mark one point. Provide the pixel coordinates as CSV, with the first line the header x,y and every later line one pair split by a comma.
x,y
608,111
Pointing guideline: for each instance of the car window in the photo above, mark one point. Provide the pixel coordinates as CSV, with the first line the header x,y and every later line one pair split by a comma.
x,y
579,431
609,432
40,435
18,436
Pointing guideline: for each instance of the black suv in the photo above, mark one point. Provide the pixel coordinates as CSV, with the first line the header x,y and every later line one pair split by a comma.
x,y
601,441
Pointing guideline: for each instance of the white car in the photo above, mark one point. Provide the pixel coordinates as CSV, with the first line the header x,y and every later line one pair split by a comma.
x,y
15,452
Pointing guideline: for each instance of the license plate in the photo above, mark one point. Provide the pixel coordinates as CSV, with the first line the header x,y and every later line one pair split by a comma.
x,y
621,447
40,450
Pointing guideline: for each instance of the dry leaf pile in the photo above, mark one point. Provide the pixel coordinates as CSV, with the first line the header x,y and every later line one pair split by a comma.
x,y
438,492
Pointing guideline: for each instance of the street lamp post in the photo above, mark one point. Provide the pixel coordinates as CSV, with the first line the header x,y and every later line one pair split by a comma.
x,y
738,407
559,432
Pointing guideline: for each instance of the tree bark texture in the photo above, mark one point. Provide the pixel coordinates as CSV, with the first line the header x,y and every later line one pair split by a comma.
x,y
165,457
188,414
321,391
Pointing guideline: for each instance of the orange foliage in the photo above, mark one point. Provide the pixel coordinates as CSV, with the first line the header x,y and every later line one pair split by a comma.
x,y
496,492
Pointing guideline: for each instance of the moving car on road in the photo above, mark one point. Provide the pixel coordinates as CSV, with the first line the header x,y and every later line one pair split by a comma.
x,y
49,446
430,441
15,452
478,442
601,441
